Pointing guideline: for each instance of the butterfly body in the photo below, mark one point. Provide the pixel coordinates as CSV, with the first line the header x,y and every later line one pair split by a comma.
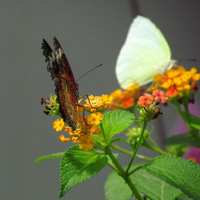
x,y
144,54
67,90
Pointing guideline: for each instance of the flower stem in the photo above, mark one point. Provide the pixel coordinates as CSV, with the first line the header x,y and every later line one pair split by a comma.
x,y
177,105
153,142
103,133
137,146
130,153
124,175
157,149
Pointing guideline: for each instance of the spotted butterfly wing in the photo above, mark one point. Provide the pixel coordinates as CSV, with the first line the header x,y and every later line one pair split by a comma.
x,y
66,87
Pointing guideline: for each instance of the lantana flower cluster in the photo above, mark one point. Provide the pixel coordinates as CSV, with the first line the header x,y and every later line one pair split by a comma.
x,y
149,105
177,82
125,99
86,126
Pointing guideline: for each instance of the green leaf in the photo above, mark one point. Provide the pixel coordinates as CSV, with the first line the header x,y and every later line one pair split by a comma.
x,y
55,155
183,197
178,172
194,119
118,140
116,121
145,183
116,188
153,187
78,165
97,138
181,140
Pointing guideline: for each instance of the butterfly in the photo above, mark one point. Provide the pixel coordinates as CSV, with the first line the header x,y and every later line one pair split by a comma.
x,y
144,54
67,90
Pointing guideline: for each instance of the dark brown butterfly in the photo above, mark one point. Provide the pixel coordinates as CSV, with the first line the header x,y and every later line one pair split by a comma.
x,y
67,90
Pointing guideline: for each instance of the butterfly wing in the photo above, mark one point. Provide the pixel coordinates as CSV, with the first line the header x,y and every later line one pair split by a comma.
x,y
66,87
144,54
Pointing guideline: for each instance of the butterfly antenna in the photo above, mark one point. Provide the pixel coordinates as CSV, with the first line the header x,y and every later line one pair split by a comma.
x,y
89,71
192,60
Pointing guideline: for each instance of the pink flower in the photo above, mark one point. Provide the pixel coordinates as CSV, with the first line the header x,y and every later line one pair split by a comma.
x,y
160,96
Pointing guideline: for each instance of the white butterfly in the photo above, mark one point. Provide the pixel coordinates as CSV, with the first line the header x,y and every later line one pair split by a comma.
x,y
144,54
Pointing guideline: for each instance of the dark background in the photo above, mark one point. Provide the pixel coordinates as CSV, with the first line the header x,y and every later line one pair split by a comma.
x,y
91,32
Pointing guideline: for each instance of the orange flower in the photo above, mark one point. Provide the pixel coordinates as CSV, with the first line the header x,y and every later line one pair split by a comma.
x,y
177,82
146,100
64,139
172,92
150,109
125,99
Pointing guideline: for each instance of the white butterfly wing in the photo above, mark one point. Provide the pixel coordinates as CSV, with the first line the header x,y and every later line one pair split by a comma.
x,y
144,54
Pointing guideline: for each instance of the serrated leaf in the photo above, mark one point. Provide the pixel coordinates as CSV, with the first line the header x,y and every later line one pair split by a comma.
x,y
183,197
116,188
116,121
181,140
152,187
78,165
118,140
55,155
178,172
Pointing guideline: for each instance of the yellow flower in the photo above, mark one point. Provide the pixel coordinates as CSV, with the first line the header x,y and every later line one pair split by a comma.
x,y
181,69
172,73
97,103
117,95
64,139
58,125
167,84
133,87
158,77
196,77
82,136
94,118
85,142
87,125
153,87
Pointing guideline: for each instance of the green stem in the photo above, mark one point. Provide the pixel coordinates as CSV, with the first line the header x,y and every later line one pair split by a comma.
x,y
134,170
123,174
153,142
130,153
156,149
113,167
103,133
177,105
137,146
119,168
187,118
